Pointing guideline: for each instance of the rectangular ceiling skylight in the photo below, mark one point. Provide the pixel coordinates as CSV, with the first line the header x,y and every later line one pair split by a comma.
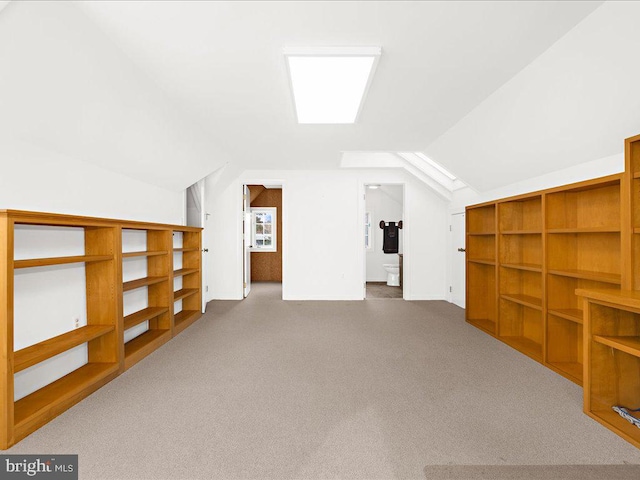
x,y
329,84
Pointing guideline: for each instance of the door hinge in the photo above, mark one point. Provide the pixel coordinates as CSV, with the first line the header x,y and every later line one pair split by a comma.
x,y
206,289
450,289
450,229
245,285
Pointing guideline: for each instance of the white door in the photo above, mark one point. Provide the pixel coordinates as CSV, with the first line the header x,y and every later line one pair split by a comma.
x,y
246,239
196,217
458,263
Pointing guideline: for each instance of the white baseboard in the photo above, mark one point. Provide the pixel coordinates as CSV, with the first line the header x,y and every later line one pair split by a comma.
x,y
425,297
226,296
330,298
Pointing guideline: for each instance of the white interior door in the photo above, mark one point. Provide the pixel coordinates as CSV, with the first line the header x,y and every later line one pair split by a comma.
x,y
458,263
196,217
246,239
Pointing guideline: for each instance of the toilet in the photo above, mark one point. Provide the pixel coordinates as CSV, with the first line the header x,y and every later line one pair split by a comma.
x,y
393,274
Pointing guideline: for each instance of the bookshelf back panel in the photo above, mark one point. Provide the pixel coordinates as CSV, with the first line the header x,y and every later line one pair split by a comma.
x,y
561,291
521,249
594,252
564,340
521,215
481,291
615,377
614,321
520,282
519,321
595,207
481,247
481,219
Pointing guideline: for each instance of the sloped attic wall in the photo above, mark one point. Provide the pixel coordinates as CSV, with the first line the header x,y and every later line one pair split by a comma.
x,y
575,103
66,89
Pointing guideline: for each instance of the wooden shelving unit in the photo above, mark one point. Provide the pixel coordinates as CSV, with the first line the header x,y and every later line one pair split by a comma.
x,y
482,307
103,334
612,345
568,276
158,283
549,243
612,320
584,245
190,273
520,274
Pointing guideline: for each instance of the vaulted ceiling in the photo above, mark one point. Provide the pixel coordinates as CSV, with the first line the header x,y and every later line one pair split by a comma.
x,y
493,91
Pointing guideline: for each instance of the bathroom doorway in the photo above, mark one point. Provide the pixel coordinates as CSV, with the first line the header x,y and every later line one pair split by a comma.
x,y
384,240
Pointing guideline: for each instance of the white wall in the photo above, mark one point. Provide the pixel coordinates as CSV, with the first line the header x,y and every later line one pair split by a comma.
x,y
385,204
36,179
67,87
585,171
74,115
322,234
588,170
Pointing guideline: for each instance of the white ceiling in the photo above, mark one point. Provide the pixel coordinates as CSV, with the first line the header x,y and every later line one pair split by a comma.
x,y
494,91
223,62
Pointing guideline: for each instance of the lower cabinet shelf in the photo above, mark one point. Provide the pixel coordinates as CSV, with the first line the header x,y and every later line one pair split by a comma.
x,y
571,370
185,318
610,419
141,346
525,345
33,411
485,324
612,358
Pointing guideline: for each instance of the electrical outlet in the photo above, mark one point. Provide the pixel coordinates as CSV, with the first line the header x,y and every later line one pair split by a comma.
x,y
76,322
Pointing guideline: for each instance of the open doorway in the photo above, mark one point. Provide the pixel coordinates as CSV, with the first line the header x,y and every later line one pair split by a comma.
x,y
384,254
262,232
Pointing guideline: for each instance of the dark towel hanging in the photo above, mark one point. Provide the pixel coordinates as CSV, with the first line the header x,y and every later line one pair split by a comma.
x,y
390,238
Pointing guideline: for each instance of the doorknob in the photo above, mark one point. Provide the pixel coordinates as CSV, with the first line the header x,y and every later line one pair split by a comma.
x,y
205,250
461,249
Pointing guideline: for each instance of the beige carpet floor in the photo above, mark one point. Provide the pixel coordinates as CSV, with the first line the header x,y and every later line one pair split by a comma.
x,y
263,388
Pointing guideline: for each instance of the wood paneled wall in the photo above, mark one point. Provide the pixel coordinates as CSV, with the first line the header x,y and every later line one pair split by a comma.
x,y
267,266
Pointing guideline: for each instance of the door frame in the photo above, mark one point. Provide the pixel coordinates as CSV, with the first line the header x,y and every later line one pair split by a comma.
x,y
284,215
362,208
201,184
451,254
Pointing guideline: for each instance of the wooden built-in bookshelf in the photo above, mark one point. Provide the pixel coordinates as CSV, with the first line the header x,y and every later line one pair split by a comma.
x,y
568,275
107,353
542,247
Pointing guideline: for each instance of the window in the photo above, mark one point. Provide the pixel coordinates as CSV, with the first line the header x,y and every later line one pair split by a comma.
x,y
264,229
368,234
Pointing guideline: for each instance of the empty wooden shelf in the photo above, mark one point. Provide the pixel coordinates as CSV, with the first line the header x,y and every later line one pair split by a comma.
x,y
102,291
612,344
524,268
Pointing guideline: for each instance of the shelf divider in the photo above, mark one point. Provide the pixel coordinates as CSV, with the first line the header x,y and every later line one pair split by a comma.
x,y
40,407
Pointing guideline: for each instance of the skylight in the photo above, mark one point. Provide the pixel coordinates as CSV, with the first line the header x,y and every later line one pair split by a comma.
x,y
329,84
433,170
441,169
